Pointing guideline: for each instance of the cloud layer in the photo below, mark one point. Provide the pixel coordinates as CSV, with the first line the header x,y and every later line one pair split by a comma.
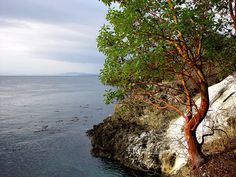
x,y
50,37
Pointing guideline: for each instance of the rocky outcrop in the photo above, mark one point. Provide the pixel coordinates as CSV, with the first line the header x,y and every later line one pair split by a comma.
x,y
135,145
150,141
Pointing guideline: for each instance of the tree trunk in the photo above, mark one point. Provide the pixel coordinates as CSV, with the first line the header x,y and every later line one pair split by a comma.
x,y
194,147
232,12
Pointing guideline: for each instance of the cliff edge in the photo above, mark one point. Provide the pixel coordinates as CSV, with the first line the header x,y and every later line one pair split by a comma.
x,y
153,141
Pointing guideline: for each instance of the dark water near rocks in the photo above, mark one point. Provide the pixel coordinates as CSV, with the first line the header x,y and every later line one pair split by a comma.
x,y
43,121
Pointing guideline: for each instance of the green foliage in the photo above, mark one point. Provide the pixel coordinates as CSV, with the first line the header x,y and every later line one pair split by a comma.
x,y
111,94
137,41
220,54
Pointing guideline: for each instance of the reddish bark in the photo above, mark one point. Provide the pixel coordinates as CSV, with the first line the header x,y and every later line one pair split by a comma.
x,y
190,58
232,11
194,147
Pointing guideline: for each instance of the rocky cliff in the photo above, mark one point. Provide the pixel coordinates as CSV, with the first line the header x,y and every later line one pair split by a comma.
x,y
152,141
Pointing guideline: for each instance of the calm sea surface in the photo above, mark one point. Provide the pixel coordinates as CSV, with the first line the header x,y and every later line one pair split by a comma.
x,y
43,121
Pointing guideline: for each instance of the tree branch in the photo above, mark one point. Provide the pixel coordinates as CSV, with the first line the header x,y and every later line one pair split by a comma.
x,y
212,133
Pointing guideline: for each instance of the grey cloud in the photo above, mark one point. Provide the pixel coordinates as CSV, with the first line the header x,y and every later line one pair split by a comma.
x,y
5,23
58,30
58,11
74,57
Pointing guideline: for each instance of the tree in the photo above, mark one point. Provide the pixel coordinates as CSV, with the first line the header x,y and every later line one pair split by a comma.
x,y
232,12
154,53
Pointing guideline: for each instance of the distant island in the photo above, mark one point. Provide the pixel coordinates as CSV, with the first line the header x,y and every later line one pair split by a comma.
x,y
76,74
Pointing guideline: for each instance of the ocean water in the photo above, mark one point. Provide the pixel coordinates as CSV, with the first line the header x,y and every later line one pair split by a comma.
x,y
43,124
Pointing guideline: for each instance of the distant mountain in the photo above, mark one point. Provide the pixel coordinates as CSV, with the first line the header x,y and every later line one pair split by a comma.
x,y
76,74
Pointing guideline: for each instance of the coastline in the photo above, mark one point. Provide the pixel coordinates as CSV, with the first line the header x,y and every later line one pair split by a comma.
x,y
147,142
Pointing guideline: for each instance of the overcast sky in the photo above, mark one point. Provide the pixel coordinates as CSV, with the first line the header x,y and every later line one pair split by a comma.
x,y
50,36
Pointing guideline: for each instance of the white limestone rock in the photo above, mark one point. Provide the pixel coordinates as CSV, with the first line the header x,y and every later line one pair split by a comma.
x,y
221,116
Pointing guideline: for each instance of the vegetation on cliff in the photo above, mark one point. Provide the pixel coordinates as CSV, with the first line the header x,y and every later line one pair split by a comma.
x,y
147,44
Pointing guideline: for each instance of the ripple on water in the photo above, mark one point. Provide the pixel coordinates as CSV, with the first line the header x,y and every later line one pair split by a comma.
x,y
43,121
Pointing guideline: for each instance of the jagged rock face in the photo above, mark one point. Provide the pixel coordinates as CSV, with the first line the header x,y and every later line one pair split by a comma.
x,y
133,145
137,143
144,149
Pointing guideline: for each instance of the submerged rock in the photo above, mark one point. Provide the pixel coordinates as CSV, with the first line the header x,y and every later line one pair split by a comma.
x,y
149,141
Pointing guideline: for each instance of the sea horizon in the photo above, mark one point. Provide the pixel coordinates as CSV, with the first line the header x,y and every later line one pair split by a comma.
x,y
50,75
43,125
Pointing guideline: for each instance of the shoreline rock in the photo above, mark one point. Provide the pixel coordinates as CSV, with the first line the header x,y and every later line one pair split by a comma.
x,y
151,142
131,144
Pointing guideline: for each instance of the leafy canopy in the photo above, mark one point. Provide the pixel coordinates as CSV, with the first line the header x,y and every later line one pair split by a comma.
x,y
142,39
